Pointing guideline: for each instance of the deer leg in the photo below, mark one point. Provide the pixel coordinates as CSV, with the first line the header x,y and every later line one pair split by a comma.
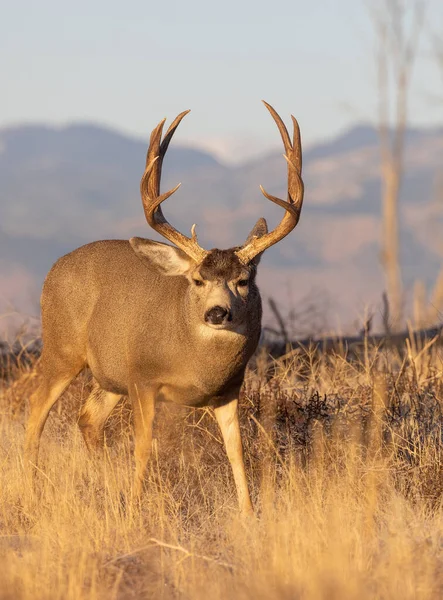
x,y
227,418
51,388
143,402
94,415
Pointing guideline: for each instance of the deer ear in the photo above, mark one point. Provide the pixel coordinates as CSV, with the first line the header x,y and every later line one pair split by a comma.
x,y
168,260
258,231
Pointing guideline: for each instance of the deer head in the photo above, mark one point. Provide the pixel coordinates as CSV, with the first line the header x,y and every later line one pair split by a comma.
x,y
221,282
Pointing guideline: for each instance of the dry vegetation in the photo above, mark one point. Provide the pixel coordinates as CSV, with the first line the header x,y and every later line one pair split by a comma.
x,y
344,461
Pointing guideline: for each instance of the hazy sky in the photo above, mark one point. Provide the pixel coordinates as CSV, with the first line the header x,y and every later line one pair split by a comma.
x,y
129,63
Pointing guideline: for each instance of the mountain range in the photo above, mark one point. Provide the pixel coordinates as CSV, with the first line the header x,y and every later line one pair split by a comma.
x,y
64,187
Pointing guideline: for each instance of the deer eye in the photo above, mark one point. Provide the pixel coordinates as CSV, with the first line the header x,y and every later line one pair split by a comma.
x,y
243,282
198,282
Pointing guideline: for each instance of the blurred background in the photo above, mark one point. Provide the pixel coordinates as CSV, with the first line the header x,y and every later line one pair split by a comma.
x,y
84,83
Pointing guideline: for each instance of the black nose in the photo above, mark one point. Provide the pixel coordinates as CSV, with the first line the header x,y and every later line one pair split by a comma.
x,y
217,315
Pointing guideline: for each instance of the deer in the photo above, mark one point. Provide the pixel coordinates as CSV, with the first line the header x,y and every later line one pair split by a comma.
x,y
158,322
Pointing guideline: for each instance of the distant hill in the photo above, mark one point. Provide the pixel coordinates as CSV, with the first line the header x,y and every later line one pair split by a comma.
x,y
63,187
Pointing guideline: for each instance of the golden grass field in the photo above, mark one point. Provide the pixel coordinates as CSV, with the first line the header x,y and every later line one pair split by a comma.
x,y
345,466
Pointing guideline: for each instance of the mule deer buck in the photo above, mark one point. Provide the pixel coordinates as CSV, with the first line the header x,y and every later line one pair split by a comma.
x,y
158,322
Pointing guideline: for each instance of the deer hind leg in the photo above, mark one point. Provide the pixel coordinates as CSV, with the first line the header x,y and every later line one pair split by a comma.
x,y
94,415
55,380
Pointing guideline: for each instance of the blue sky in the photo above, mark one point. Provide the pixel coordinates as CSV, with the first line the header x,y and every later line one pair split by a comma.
x,y
128,64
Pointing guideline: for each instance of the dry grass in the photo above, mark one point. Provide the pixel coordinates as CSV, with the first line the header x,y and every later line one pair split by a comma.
x,y
344,463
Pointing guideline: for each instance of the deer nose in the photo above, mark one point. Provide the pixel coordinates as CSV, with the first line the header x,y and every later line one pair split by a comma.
x,y
218,315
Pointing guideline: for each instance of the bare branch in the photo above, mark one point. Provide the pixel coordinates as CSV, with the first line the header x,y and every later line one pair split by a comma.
x,y
398,26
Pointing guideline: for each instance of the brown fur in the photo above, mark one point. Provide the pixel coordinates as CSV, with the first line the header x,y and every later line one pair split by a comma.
x,y
140,333
221,264
158,322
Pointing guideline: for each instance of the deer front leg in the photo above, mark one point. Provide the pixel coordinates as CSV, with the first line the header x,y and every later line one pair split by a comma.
x,y
227,418
143,402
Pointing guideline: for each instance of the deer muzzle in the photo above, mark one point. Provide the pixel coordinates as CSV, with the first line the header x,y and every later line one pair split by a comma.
x,y
218,315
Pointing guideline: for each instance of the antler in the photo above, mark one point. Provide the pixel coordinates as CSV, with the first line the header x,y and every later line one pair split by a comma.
x,y
293,156
152,199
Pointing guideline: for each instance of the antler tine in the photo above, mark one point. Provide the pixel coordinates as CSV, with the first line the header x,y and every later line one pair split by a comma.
x,y
171,130
157,148
293,205
154,142
296,144
281,127
150,191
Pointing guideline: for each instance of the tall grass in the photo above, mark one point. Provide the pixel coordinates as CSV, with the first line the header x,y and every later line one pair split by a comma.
x,y
344,460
